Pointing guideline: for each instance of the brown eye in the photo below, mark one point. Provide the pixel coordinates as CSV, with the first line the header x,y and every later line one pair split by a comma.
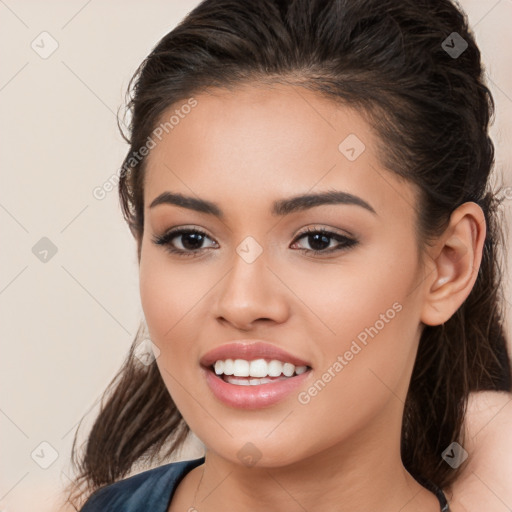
x,y
191,241
320,239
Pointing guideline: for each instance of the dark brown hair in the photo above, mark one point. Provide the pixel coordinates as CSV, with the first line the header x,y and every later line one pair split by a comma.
x,y
431,110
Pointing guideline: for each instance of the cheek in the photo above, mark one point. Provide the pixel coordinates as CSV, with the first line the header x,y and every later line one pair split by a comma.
x,y
170,298
373,319
170,294
381,315
339,301
363,376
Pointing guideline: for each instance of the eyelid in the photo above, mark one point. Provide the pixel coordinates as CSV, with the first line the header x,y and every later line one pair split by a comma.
x,y
174,232
344,239
323,227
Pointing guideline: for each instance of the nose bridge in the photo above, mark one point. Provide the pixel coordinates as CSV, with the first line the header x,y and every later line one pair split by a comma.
x,y
246,280
250,290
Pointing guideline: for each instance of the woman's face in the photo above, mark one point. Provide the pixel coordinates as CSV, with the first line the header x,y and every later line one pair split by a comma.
x,y
351,313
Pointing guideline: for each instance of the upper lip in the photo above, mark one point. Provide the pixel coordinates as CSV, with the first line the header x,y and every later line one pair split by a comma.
x,y
249,350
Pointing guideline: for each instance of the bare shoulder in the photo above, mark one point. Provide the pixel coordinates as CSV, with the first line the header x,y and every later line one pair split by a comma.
x,y
486,481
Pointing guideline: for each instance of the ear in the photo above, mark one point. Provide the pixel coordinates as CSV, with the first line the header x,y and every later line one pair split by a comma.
x,y
456,259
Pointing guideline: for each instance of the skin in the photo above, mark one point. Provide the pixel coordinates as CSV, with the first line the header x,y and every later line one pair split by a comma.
x,y
243,150
484,482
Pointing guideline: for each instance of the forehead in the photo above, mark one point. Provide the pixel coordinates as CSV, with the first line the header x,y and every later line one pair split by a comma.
x,y
257,143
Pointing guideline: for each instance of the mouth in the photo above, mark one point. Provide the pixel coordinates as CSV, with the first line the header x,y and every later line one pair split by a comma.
x,y
256,372
250,374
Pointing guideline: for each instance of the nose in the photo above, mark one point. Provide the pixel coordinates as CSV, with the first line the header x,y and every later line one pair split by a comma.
x,y
251,293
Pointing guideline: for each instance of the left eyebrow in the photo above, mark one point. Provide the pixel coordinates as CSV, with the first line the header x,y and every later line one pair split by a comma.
x,y
304,202
280,207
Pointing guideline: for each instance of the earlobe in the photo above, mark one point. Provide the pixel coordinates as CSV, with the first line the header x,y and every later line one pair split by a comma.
x,y
459,254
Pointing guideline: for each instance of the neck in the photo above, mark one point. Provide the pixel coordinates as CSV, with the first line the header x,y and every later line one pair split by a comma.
x,y
363,473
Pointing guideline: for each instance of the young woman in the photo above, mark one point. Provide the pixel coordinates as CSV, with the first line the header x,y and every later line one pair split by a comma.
x,y
308,187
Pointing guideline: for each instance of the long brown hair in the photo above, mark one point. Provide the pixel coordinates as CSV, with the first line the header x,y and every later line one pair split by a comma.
x,y
431,108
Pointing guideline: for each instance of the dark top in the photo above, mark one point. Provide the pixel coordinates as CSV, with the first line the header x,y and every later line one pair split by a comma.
x,y
153,490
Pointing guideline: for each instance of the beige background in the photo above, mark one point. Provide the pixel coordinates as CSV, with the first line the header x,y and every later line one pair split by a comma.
x,y
67,323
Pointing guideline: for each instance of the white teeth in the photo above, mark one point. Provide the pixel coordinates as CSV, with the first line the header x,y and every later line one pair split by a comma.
x,y
275,368
219,367
241,368
238,382
288,369
258,368
229,367
247,382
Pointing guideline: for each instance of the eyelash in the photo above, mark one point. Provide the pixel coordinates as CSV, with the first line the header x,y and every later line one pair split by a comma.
x,y
166,238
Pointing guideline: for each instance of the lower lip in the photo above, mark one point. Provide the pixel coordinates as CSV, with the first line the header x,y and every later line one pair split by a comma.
x,y
253,397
